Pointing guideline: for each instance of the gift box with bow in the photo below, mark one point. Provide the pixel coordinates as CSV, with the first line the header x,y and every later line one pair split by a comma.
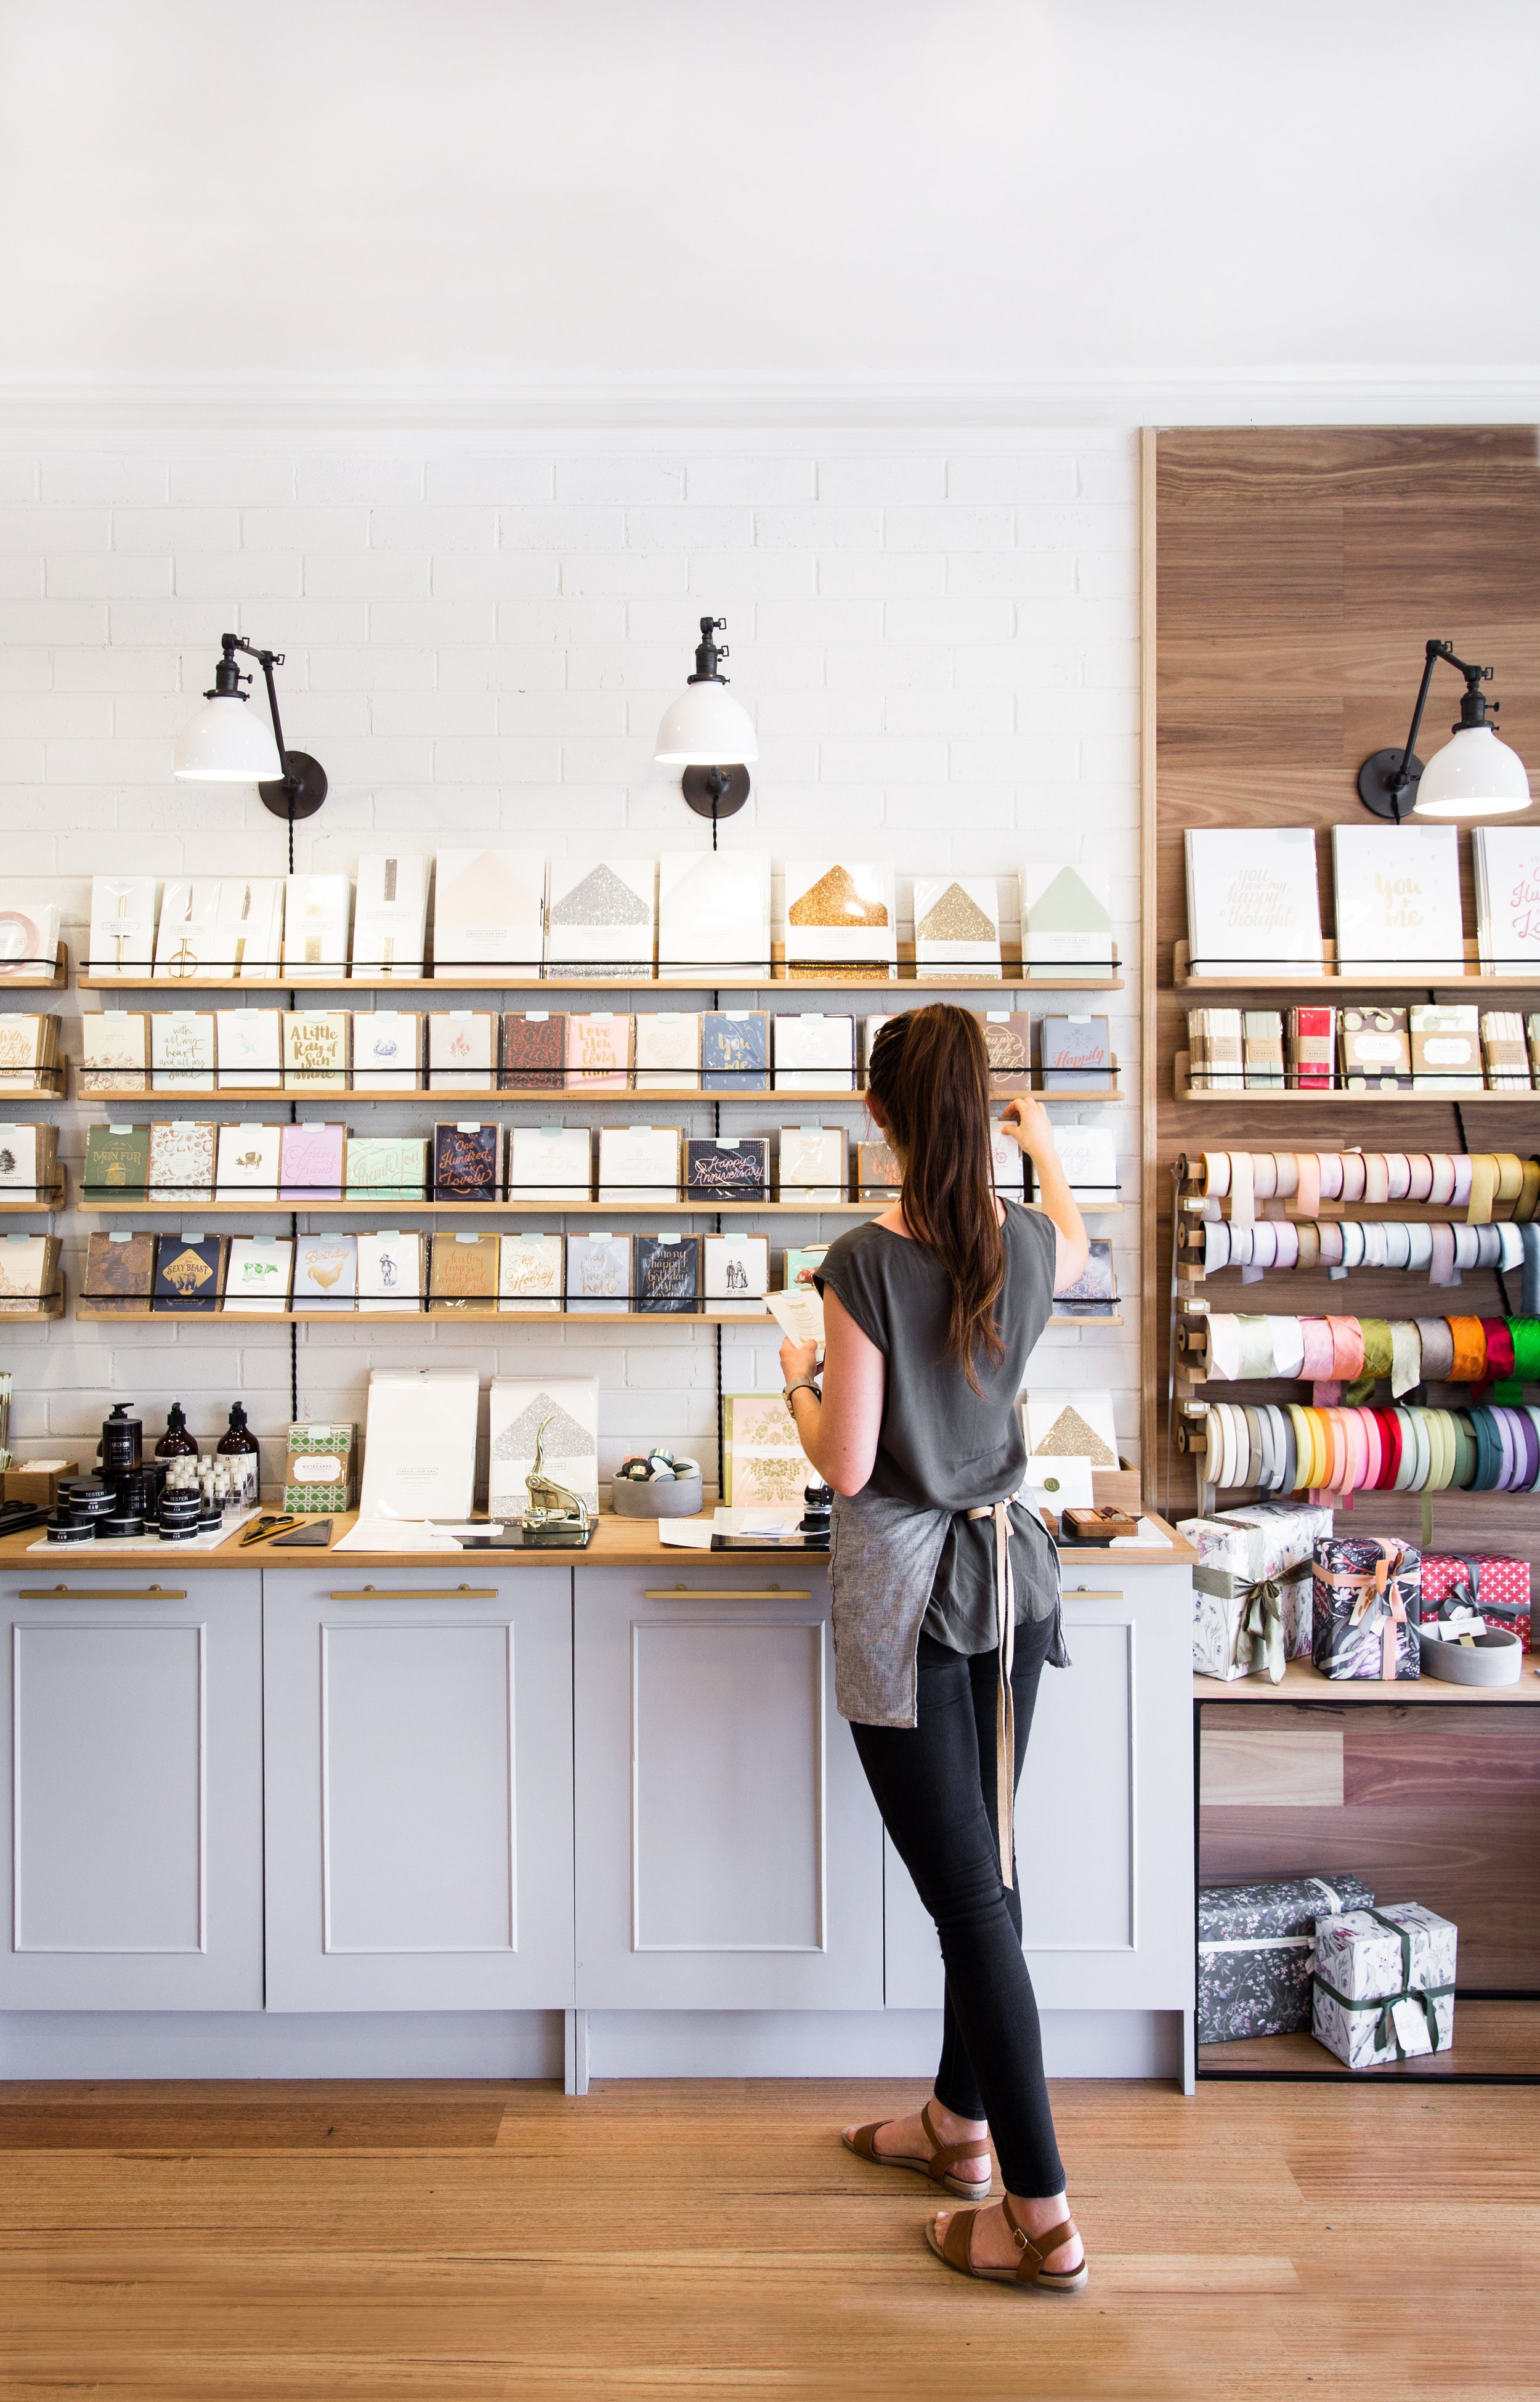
x,y
1269,1540
1367,1602
1488,1585
1383,1984
1256,1950
1244,1627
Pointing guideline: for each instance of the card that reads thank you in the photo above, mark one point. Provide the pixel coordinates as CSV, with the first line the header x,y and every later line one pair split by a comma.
x,y
387,1167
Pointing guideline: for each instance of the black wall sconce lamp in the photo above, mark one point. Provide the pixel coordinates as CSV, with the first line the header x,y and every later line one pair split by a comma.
x,y
709,734
1473,776
224,744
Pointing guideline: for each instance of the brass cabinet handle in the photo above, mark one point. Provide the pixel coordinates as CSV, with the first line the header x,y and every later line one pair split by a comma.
x,y
419,1593
720,1593
72,1592
1086,1593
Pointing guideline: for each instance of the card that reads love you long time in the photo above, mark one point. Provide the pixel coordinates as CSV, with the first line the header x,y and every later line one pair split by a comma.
x,y
598,1053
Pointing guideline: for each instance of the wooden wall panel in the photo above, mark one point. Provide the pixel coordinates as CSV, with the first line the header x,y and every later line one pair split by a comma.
x,y
1298,574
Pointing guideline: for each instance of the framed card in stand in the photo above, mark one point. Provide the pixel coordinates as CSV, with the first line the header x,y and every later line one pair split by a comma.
x,y
728,1167
598,1053
1399,905
956,927
248,926
737,1275
532,1274
462,1050
419,1444
390,916
713,913
316,914
532,1051
182,1056
325,1272
182,1160
387,1050
391,1276
115,1051
815,1053
550,1163
258,1273
563,1417
467,1157
311,1162
247,1161
386,1166
121,940
599,1273
668,1050
315,1050
639,1164
734,1050
1252,901
463,1273
187,938
813,1165
1007,1039
840,920
187,1274
117,1163
488,916
120,1276
248,1046
599,917
668,1272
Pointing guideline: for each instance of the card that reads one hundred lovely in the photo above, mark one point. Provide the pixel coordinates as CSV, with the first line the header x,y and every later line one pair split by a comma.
x,y
249,1049
117,1159
247,1161
550,1163
186,1273
840,920
598,1052
465,1162
533,1051
325,1272
462,1049
315,1049
387,1050
734,1050
259,1273
1252,903
531,1273
311,1163
600,917
668,1274
737,1275
735,1169
182,1050
182,1160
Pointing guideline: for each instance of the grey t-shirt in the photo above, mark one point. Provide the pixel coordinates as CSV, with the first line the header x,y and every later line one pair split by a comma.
x,y
941,1444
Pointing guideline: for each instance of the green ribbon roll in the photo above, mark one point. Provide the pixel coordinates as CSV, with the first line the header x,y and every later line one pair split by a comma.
x,y
1526,1349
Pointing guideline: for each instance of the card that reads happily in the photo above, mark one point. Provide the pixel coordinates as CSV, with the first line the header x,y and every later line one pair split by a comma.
x,y
121,942
733,1170
248,926
956,927
315,1050
550,1163
325,1272
182,1160
600,917
737,1275
310,1160
713,912
462,1049
386,1167
734,1050
599,1275
1077,1055
814,1053
1056,1422
117,1159
316,914
246,1161
532,1273
187,1274
258,1273
387,1050
249,1049
840,919
467,1156
120,1276
389,915
1252,903
561,1417
532,1051
1507,861
463,1273
667,1049
488,915
1067,918
181,1057
1399,900
185,942
813,1163
1008,1041
598,1052
389,1274
668,1274
639,1163
115,1051
762,1460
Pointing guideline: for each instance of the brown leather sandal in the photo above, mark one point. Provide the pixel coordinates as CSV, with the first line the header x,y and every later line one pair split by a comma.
x,y
957,2249
938,2167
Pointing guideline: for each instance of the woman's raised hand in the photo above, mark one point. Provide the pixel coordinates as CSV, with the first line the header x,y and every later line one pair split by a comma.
x,y
1028,1124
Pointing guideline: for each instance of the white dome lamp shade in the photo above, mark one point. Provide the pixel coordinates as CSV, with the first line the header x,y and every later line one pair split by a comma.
x,y
229,743
1473,775
709,734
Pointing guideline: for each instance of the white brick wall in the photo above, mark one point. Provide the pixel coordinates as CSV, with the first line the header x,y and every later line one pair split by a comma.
x,y
936,633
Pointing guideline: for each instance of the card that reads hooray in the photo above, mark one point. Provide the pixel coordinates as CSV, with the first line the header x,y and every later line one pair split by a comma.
x,y
488,915
1399,900
840,919
600,916
957,927
249,1049
258,1273
387,1050
713,912
562,1415
1252,903
532,1273
389,1274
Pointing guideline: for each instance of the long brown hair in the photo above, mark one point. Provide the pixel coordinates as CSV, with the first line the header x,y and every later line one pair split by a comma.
x,y
929,1075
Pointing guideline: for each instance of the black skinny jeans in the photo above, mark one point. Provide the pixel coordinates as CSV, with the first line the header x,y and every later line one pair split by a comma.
x,y
934,1785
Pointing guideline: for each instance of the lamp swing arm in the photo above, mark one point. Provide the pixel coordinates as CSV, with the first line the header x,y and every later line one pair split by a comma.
x,y
1474,676
267,661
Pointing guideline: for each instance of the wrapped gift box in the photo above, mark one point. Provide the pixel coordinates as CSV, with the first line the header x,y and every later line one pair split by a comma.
x,y
1268,1539
1367,1603
1496,1587
1256,1950
1245,1626
1383,1984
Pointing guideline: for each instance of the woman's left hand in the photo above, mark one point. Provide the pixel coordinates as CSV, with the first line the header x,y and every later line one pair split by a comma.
x,y
798,1359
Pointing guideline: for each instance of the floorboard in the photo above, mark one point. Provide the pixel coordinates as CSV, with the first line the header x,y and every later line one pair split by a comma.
x,y
471,2241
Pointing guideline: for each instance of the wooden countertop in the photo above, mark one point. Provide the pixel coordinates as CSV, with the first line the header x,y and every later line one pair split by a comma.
x,y
1303,1683
617,1543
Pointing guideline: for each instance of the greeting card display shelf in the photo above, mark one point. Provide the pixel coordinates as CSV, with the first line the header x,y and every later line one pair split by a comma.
x,y
34,978
421,1314
1471,976
47,1084
21,1313
553,1098
371,1205
1265,1096
1011,977
45,1199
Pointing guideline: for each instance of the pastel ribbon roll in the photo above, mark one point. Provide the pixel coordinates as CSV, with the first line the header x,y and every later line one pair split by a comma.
x,y
1285,1239
1529,1192
1489,1452
1377,1342
1217,1173
1353,1243
1468,1340
1529,1281
1373,1233
1500,1349
1216,1249
1373,1455
1307,1184
1352,1185
1347,1347
1397,1175
1419,1245
1224,1346
1307,1234
1395,1236
1438,1348
1329,1241
1264,1175
1511,1246
1256,1346
1461,1195
1419,1176
1287,1342
1483,1188
1242,1201
1510,1178
1328,1180
1376,1177
1286,1174
1315,1353
1405,1356
1445,1268
1488,1244
1441,1191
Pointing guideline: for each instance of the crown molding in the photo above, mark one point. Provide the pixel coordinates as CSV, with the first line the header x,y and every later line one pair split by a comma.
x,y
389,399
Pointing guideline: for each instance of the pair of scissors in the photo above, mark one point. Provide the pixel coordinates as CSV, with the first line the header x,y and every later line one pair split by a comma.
x,y
261,1528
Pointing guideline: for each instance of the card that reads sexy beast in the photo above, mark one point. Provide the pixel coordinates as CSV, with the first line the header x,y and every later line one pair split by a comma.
x,y
668,1274
465,1162
731,1169
187,1274
533,1051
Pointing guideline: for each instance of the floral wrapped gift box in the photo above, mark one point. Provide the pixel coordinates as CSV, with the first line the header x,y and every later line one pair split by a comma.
x,y
1368,1604
1383,1984
1256,1952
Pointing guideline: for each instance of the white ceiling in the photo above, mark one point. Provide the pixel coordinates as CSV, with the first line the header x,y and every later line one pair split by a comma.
x,y
796,187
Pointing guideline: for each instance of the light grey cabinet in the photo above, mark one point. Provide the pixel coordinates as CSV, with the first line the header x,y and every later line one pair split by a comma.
x,y
1103,1812
729,1854
419,1789
131,1803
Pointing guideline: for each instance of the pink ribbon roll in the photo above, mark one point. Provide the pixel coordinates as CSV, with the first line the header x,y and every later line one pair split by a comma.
x,y
1352,1188
1316,1355
1329,1172
1307,1182
1461,1165
1347,1349
1419,1180
1441,1191
1398,1175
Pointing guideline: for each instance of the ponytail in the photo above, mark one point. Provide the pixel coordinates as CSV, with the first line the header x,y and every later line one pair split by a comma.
x,y
929,1074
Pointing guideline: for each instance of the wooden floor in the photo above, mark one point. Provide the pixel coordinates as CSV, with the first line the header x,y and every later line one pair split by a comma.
x,y
200,2242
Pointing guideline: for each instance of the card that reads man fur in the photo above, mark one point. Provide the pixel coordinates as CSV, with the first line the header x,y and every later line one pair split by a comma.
x,y
713,911
249,1049
737,1275
391,1274
532,1274
315,1050
387,1050
488,915
258,1273
115,1051
600,917
567,1408
182,1050
325,1272
763,1461
182,1160
247,1161
956,927
600,1281
120,1276
840,919
1072,1424
117,1159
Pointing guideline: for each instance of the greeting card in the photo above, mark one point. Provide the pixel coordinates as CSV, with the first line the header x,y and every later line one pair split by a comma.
x,y
1399,900
248,925
182,1160
813,1166
115,1051
562,1416
1007,1039
732,1168
814,1053
390,916
462,1049
121,940
737,1275
389,1274
463,1273
1252,904
116,1163
1066,919
713,913
325,1272
120,1276
600,917
247,1161
639,1163
550,1163
187,1274
533,1051
315,1050
667,1051
466,1158
532,1273
258,1273
311,1163
249,1049
387,1050
599,1275
316,912
185,943
956,927
840,919
182,1050
668,1274
598,1053
734,1050
387,1167
487,914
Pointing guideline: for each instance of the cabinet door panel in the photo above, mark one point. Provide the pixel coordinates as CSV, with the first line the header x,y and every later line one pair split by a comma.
x,y
132,1803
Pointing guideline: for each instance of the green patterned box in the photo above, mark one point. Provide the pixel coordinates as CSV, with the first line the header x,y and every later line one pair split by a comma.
x,y
320,1476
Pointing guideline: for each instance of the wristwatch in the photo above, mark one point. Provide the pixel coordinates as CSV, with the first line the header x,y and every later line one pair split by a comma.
x,y
802,1383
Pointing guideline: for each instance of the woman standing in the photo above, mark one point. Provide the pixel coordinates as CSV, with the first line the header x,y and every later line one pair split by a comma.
x,y
946,1599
